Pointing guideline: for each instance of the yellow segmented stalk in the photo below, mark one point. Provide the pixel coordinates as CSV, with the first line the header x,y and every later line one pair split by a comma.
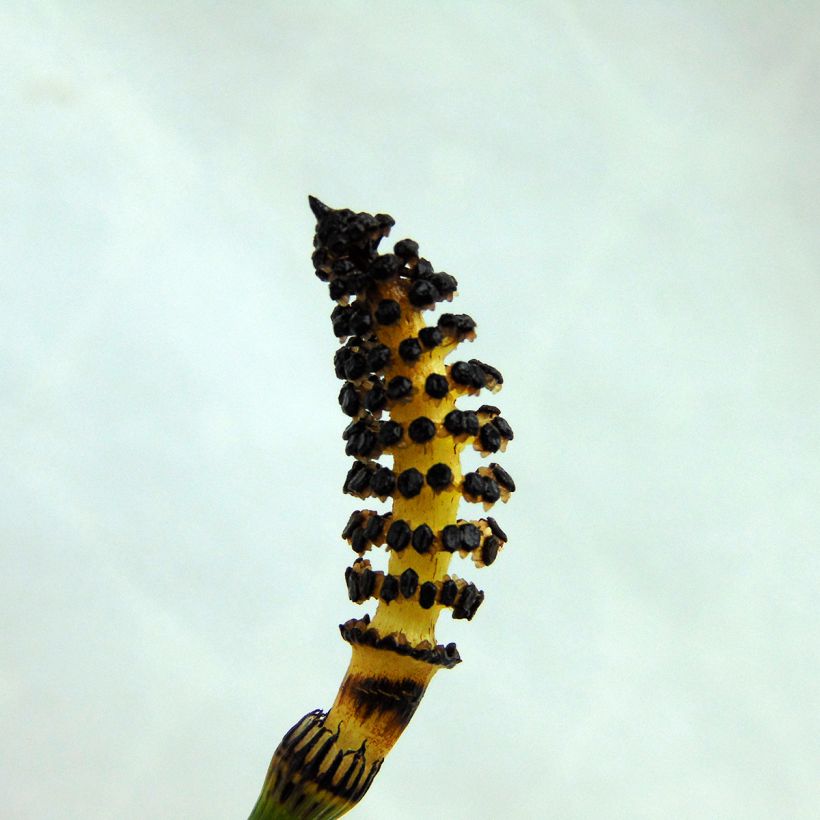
x,y
392,362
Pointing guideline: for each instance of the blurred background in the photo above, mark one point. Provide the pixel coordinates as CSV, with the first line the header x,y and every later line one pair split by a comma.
x,y
627,193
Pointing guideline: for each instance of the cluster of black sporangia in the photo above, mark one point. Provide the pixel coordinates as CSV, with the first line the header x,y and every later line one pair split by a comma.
x,y
487,483
461,423
346,243
362,359
459,326
362,439
474,375
365,479
495,432
367,528
346,257
363,583
359,631
367,437
373,394
427,285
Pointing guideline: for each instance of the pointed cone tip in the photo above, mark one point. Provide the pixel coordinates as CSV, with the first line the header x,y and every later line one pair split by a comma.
x,y
317,206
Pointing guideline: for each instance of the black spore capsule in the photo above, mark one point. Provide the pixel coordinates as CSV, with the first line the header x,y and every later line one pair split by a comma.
x,y
378,357
470,536
490,438
385,266
340,320
503,428
503,477
349,399
374,527
491,492
423,294
456,324
398,535
421,430
450,538
410,349
399,387
354,521
352,580
454,422
439,476
410,483
383,482
407,249
490,372
362,444
376,398
354,429
449,591
424,270
468,602
347,276
437,386
408,583
321,262
367,580
489,549
342,267
478,377
430,337
423,538
390,433
427,594
388,312
462,373
340,357
355,366
473,485
444,283
495,529
360,320
390,588
359,541
357,480
470,423
356,281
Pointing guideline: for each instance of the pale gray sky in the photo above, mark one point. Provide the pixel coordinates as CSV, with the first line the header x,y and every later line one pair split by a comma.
x,y
627,193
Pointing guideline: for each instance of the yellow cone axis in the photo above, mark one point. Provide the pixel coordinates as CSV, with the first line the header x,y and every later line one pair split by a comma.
x,y
400,395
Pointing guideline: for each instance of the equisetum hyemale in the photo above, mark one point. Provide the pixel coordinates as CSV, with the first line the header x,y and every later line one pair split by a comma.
x,y
401,399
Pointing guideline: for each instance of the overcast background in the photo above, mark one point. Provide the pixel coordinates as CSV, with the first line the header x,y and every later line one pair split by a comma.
x,y
628,195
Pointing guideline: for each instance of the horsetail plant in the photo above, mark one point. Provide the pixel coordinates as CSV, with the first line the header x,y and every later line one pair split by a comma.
x,y
392,362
